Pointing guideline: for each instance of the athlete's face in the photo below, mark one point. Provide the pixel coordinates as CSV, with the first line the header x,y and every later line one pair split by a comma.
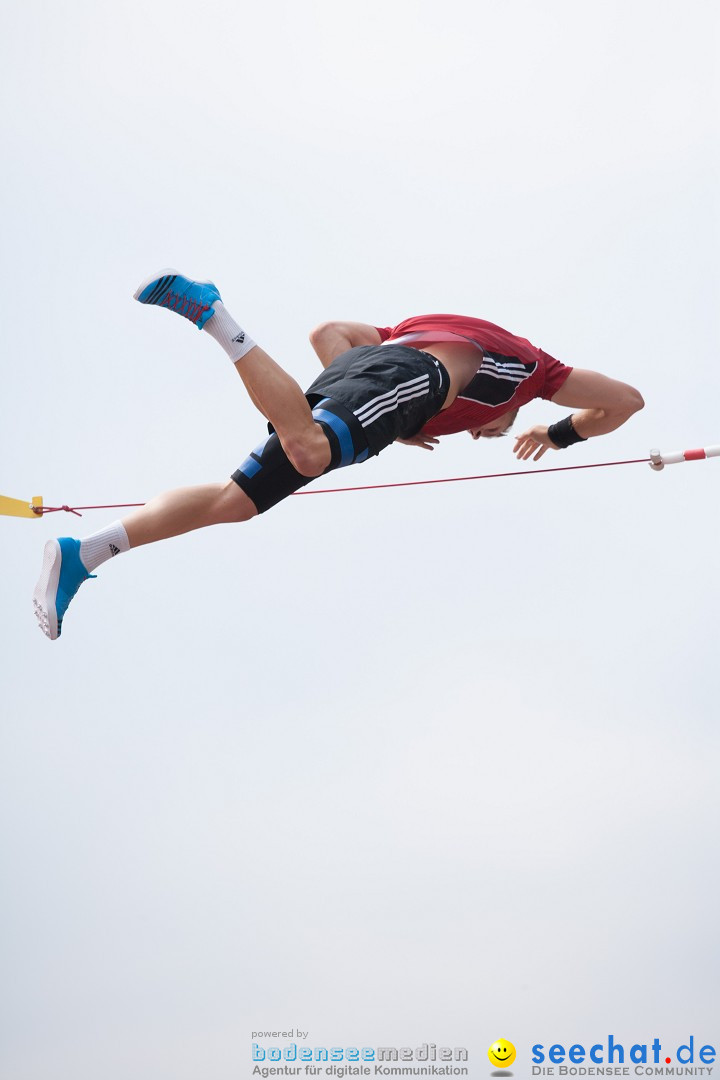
x,y
494,428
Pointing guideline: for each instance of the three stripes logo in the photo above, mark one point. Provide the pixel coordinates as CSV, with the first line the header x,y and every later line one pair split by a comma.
x,y
161,289
115,550
392,399
497,380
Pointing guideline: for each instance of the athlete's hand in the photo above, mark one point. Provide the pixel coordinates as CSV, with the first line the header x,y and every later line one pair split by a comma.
x,y
426,441
533,443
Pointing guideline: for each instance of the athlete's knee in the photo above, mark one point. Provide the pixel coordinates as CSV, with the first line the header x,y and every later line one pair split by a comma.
x,y
310,456
234,505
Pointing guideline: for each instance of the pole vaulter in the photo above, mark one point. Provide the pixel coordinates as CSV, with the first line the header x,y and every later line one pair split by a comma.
x,y
428,376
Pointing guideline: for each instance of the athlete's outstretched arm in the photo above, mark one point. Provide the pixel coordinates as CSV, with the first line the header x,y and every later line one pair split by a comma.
x,y
428,442
330,339
603,405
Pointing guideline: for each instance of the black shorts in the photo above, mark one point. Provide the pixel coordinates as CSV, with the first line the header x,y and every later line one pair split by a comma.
x,y
366,399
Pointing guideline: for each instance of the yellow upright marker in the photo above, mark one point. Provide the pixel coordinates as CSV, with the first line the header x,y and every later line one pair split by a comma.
x,y
18,508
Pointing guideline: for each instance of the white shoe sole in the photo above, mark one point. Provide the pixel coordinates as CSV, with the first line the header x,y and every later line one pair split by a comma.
x,y
153,277
46,590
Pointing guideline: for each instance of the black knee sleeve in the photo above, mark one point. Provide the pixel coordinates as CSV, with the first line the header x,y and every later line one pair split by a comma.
x,y
267,476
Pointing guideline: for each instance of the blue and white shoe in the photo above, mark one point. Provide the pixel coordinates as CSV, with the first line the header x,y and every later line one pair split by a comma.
x,y
62,575
192,299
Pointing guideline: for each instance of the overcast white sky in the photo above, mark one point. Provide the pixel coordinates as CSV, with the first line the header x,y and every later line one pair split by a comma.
x,y
431,764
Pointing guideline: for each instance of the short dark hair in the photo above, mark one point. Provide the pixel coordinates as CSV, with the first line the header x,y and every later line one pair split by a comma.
x,y
511,421
513,418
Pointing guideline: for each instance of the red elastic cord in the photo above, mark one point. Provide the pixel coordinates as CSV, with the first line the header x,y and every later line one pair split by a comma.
x,y
376,487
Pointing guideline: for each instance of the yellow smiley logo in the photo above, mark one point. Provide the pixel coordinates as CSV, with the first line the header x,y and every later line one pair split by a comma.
x,y
501,1053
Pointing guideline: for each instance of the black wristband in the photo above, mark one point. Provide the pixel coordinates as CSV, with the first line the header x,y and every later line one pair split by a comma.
x,y
563,434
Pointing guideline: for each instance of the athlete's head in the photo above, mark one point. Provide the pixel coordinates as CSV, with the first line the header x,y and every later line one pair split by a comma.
x,y
495,428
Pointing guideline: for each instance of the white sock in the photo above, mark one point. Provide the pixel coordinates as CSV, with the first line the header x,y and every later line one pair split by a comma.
x,y
227,333
101,546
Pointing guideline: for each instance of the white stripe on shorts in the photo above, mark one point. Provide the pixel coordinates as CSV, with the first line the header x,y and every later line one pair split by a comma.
x,y
407,395
389,400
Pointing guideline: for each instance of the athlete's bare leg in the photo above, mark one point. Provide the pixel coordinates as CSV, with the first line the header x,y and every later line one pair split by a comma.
x,y
68,562
282,402
186,509
274,392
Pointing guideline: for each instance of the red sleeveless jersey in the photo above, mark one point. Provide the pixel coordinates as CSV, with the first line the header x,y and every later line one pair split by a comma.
x,y
510,371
